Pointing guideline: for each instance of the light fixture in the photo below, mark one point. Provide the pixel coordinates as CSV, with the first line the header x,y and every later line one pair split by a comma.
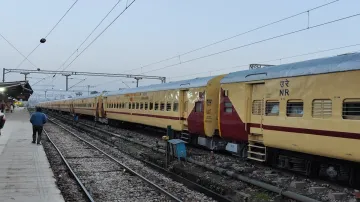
x,y
2,89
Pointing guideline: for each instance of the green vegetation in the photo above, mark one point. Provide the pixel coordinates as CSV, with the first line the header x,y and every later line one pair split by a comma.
x,y
262,197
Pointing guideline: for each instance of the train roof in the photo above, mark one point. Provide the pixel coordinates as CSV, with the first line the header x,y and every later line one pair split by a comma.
x,y
86,96
191,83
340,63
73,98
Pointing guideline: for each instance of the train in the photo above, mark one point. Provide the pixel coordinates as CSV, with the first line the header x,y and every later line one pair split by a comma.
x,y
302,116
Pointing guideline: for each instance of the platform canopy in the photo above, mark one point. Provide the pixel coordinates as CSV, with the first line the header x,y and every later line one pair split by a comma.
x,y
15,89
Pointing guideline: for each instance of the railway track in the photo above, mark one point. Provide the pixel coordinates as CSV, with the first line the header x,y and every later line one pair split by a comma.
x,y
273,178
101,175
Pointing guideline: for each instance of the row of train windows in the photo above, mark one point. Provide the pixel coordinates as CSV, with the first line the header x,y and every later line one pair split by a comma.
x,y
320,108
146,106
83,105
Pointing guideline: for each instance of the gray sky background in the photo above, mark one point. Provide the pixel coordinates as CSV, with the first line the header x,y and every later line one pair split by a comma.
x,y
150,31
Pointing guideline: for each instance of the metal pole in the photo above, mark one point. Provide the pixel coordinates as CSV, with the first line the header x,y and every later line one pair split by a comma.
x,y
137,81
67,82
45,94
3,74
88,89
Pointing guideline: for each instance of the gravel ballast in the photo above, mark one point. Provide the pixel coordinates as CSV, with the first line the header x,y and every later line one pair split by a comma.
x,y
99,174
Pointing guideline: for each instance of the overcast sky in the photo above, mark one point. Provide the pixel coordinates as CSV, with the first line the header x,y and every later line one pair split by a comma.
x,y
150,31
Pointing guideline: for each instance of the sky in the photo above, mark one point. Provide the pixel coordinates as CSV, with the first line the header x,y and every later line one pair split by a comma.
x,y
150,31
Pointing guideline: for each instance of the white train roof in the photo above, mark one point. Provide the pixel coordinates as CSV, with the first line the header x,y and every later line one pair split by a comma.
x,y
340,63
86,96
73,98
191,83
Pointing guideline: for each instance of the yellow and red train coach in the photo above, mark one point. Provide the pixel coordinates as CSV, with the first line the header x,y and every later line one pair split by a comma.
x,y
189,106
310,107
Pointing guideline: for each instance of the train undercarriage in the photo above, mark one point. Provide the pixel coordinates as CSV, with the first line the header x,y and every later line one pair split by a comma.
x,y
339,171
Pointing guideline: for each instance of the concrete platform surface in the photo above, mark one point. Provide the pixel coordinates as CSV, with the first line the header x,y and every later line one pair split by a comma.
x,y
25,173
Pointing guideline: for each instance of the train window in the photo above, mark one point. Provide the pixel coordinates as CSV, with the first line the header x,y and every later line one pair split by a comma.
x,y
146,106
351,109
156,106
257,107
228,107
162,106
272,108
141,105
322,108
176,107
151,106
168,106
198,107
133,105
137,105
295,108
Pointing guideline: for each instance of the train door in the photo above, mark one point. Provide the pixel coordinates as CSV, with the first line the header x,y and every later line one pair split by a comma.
x,y
185,109
257,150
72,108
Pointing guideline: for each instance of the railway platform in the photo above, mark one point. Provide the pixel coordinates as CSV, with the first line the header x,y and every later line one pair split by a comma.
x,y
25,173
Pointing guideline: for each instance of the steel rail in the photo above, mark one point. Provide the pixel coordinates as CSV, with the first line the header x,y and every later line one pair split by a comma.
x,y
71,170
170,174
266,186
121,164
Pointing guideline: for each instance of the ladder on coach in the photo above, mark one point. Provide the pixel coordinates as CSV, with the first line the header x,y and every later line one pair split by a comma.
x,y
256,151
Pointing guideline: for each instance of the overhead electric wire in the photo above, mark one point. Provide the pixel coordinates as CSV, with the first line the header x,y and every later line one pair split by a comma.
x,y
61,18
77,83
127,6
102,20
2,36
278,59
38,82
237,35
98,36
256,42
48,34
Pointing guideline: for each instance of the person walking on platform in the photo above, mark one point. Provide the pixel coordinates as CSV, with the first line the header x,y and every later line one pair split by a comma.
x,y
38,119
11,107
2,106
2,121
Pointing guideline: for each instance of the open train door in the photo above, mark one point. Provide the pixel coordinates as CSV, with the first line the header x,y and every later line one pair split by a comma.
x,y
72,111
100,110
256,148
185,109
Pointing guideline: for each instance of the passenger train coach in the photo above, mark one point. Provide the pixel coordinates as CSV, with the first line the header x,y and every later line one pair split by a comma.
x,y
302,116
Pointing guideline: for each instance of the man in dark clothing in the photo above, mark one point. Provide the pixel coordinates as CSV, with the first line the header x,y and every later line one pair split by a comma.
x,y
76,119
38,119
